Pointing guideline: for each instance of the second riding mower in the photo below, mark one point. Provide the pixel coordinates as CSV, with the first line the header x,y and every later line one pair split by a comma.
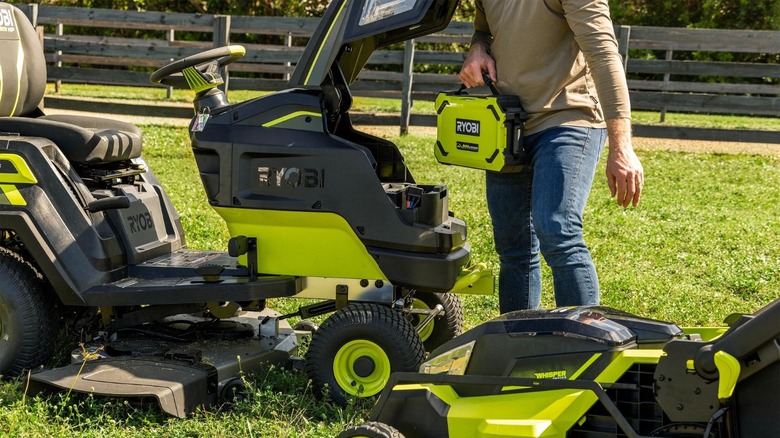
x,y
315,208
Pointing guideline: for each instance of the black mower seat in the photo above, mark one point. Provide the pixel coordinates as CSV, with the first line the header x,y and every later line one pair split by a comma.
x,y
83,139
93,140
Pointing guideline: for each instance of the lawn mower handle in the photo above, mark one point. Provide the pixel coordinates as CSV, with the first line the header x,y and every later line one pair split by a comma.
x,y
742,339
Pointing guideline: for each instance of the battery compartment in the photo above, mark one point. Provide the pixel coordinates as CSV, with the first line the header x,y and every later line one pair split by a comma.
x,y
419,203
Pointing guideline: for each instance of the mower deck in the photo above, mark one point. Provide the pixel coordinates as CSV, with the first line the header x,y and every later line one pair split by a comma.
x,y
163,364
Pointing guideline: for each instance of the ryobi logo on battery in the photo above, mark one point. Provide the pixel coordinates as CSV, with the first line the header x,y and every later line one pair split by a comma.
x,y
467,127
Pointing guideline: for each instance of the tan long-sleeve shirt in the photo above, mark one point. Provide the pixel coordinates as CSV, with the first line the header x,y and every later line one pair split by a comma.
x,y
560,56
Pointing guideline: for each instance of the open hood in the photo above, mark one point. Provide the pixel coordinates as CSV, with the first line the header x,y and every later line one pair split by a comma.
x,y
351,30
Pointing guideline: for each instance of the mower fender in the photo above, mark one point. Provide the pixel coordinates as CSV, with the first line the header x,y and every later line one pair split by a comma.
x,y
73,248
46,259
474,280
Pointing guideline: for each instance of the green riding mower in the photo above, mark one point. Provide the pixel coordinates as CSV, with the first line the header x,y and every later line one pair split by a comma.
x,y
315,208
591,372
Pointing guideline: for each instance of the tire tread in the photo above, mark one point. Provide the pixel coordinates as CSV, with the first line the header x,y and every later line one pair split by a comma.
x,y
21,283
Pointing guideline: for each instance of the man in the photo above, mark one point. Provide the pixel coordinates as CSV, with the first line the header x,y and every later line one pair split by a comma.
x,y
561,57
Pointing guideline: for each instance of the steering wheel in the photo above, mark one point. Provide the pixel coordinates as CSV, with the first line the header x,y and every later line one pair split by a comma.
x,y
200,71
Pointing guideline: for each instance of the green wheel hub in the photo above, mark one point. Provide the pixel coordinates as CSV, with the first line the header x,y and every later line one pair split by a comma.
x,y
361,368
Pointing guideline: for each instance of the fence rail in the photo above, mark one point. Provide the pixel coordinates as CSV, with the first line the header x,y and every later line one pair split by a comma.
x,y
667,84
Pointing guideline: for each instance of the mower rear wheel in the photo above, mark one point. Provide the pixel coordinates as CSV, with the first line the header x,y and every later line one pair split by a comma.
x,y
357,348
371,429
27,321
442,328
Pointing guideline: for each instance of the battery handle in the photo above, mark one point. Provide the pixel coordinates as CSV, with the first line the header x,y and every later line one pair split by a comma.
x,y
488,83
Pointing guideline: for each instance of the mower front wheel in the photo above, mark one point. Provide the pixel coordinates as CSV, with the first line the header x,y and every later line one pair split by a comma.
x,y
27,322
371,429
357,348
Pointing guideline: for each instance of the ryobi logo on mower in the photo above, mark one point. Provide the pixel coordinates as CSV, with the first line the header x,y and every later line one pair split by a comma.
x,y
140,222
290,177
467,127
6,21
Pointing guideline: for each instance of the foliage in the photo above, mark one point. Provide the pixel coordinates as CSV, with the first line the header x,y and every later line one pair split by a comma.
x,y
712,14
709,14
302,8
716,14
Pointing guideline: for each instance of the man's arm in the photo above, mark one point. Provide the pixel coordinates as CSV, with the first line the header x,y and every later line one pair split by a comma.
x,y
479,59
594,32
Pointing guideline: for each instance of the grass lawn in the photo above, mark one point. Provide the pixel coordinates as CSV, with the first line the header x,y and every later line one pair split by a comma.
x,y
702,244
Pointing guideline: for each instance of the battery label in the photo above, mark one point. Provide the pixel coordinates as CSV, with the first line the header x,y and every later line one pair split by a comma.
x,y
467,127
471,147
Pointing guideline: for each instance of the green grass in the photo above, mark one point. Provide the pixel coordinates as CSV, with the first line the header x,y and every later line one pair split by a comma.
x,y
702,244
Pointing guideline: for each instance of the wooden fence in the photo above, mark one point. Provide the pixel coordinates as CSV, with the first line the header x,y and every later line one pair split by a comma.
x,y
667,85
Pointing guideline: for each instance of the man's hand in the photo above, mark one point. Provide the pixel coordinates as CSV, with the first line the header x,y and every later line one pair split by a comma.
x,y
624,171
477,62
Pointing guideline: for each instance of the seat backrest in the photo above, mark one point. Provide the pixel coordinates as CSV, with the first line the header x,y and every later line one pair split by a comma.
x,y
22,64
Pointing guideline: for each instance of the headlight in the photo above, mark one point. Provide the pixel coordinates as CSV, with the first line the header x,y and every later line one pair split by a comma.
x,y
453,361
375,10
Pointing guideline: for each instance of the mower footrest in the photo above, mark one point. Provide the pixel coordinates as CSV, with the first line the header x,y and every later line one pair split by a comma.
x,y
184,290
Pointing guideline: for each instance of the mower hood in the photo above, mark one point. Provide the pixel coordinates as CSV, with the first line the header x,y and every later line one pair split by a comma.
x,y
351,30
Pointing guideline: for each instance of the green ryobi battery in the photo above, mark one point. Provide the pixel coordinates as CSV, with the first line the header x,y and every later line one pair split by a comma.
x,y
480,131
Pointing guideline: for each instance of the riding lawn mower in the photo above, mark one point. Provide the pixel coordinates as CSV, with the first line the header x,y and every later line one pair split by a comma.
x,y
315,209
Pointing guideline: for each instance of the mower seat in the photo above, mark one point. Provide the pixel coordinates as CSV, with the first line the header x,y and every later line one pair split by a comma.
x,y
83,139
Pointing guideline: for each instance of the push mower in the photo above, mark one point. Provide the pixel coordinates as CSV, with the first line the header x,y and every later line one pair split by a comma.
x,y
591,372
315,209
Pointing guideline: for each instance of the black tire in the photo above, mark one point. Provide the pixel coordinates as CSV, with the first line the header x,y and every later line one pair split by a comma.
x,y
357,348
372,429
444,327
232,392
27,318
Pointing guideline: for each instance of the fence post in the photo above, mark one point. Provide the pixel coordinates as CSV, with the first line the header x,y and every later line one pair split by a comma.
x,y
406,86
59,31
667,77
288,39
31,11
171,38
623,37
222,38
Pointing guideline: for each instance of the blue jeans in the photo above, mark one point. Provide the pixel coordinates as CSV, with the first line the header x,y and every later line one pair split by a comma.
x,y
540,208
